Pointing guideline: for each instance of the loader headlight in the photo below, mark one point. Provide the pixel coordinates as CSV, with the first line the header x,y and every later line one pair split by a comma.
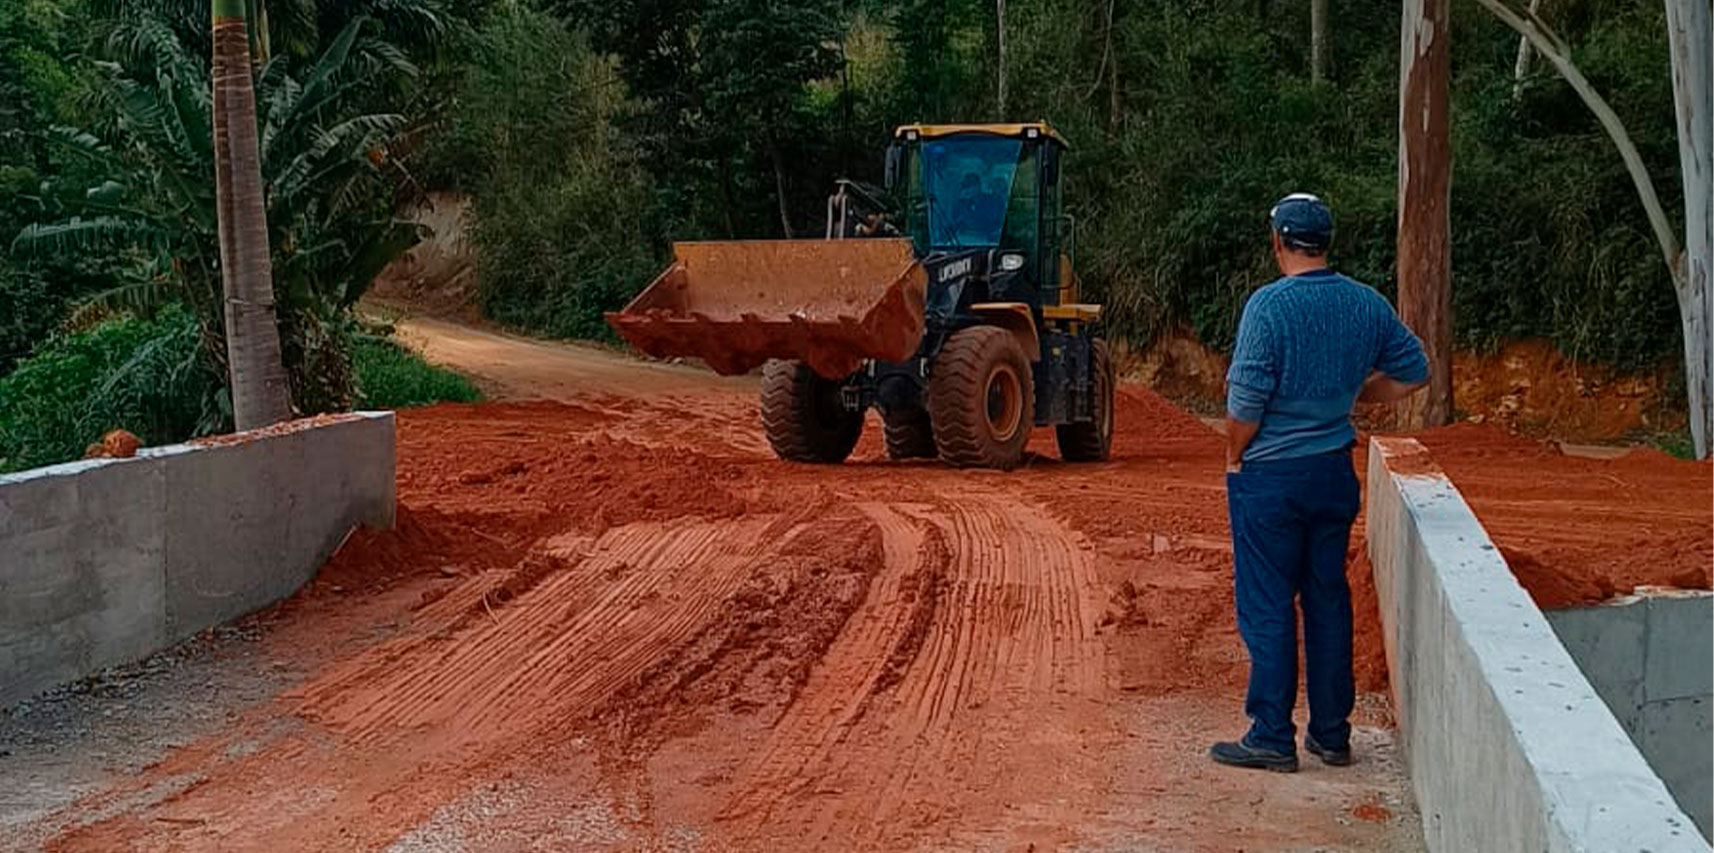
x,y
1011,262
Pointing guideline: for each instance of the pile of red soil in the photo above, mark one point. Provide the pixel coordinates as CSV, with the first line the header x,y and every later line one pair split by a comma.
x,y
1574,531
422,541
1578,531
525,462
477,485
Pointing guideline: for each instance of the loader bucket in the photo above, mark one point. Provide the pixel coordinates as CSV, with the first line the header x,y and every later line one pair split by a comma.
x,y
829,303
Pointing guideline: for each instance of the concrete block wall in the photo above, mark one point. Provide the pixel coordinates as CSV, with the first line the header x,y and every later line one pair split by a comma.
x,y
1651,658
1509,746
106,561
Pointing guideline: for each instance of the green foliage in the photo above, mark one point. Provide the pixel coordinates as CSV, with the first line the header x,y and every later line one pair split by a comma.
x,y
146,375
330,185
1187,121
721,111
149,375
390,376
1549,239
35,84
561,202
1677,445
28,310
590,133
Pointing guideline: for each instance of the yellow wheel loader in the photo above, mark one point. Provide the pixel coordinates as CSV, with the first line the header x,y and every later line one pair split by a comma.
x,y
954,310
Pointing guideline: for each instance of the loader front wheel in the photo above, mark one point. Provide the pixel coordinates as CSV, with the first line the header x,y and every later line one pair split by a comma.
x,y
981,399
909,434
803,416
1092,441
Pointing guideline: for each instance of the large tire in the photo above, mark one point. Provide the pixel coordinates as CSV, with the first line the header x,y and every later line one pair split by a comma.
x,y
1092,441
803,416
909,433
981,399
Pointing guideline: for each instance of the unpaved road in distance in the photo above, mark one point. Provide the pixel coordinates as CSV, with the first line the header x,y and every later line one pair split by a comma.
x,y
610,620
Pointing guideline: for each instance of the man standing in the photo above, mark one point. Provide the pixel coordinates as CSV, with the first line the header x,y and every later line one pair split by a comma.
x,y
1310,345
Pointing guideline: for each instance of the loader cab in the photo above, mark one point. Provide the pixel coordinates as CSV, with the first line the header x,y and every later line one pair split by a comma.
x,y
986,186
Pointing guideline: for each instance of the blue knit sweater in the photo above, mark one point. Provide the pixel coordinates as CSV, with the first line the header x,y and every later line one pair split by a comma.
x,y
1306,344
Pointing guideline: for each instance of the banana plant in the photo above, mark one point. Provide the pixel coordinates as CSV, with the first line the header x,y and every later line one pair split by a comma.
x,y
329,186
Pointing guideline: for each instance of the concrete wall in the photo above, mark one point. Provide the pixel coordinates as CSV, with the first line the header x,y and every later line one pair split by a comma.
x,y
1509,747
1651,658
105,561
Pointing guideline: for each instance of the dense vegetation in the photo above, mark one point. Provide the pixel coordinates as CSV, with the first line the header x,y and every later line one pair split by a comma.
x,y
113,280
591,133
591,138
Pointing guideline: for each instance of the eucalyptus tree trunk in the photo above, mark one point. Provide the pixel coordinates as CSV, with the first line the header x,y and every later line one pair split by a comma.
x,y
1108,71
1000,44
780,191
1317,40
1425,186
1690,36
260,395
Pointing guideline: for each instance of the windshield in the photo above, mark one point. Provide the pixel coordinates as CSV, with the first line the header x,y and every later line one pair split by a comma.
x,y
968,189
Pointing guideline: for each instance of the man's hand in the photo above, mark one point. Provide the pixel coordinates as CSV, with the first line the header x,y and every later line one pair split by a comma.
x,y
1239,434
1381,388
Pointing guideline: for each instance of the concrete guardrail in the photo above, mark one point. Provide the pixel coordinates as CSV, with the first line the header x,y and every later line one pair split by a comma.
x,y
106,561
1509,747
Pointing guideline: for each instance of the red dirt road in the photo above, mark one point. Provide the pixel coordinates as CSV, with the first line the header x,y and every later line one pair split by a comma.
x,y
614,622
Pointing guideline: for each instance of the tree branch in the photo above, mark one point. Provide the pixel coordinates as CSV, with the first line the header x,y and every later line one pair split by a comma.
x,y
1529,25
1106,51
1523,64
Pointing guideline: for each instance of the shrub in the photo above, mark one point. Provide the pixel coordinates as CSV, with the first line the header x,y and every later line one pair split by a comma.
x,y
390,376
144,374
560,201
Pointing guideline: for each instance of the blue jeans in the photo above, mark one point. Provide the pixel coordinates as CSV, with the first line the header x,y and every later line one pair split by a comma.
x,y
1291,522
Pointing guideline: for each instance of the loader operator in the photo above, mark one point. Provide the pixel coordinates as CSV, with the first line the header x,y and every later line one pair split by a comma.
x,y
1310,345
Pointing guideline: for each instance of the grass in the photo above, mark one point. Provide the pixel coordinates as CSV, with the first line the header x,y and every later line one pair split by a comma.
x,y
1676,444
391,376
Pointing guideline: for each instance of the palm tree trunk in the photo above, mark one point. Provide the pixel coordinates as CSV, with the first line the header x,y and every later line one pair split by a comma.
x,y
258,376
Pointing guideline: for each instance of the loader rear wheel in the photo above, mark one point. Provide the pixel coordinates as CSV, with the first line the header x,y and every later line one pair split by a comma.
x,y
1092,441
981,399
803,416
909,433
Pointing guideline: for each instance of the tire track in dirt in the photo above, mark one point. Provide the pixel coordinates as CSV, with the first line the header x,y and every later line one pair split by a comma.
x,y
901,718
565,644
408,724
870,654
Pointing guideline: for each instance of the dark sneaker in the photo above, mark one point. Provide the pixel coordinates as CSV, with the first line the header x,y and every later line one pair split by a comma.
x,y
1330,757
1242,754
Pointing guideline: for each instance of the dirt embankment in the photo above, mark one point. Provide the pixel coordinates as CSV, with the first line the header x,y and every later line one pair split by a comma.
x,y
1526,387
438,275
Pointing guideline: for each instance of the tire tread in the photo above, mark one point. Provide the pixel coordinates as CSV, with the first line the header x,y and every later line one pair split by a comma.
x,y
957,401
789,418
